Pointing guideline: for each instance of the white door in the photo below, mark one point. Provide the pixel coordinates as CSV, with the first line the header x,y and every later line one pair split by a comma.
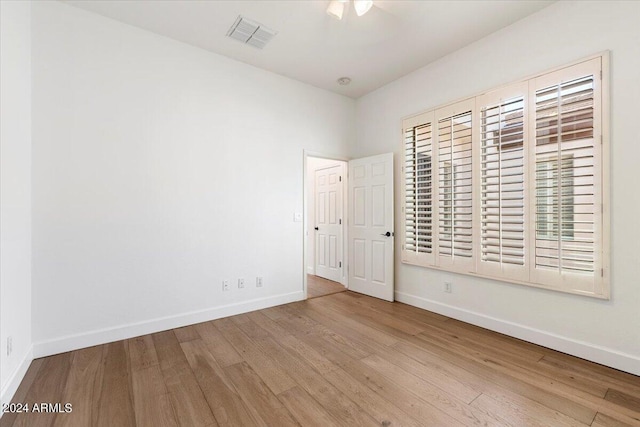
x,y
328,229
370,227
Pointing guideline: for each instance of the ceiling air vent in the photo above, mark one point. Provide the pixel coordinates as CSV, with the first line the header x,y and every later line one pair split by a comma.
x,y
250,32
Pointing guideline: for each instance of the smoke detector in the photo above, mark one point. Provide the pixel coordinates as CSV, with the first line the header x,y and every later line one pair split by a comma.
x,y
250,32
343,81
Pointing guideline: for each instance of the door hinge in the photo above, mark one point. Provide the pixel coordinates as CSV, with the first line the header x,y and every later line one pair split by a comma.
x,y
600,74
600,139
602,272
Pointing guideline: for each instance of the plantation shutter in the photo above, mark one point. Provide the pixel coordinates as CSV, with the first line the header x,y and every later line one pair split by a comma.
x,y
512,184
418,247
502,189
567,174
455,186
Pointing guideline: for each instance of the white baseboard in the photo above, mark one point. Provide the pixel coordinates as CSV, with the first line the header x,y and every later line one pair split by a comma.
x,y
595,353
12,384
103,336
311,270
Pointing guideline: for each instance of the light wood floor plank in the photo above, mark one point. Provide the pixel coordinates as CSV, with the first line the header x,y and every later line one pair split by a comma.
x,y
187,333
334,402
512,350
293,344
306,409
142,352
622,381
83,384
623,399
519,415
511,346
268,323
415,406
273,375
406,326
48,387
115,402
474,362
221,395
20,395
440,399
337,318
319,287
258,397
591,367
185,395
482,381
375,405
218,345
432,372
329,348
607,421
429,372
585,399
152,405
301,324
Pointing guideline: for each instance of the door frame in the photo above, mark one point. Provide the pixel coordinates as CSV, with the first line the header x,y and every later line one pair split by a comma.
x,y
305,216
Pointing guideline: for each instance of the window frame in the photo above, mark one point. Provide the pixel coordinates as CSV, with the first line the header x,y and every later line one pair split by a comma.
x,y
528,276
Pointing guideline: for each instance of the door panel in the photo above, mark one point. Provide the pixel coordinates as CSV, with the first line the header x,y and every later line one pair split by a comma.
x,y
370,219
359,258
377,258
328,194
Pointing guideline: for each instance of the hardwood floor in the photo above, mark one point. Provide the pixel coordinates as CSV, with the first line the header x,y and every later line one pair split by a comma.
x,y
343,359
318,286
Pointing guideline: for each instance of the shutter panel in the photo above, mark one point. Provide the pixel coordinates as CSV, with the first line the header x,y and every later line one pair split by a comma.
x,y
455,186
502,214
418,134
567,178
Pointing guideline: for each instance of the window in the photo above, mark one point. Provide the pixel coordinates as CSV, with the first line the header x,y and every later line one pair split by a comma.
x,y
511,184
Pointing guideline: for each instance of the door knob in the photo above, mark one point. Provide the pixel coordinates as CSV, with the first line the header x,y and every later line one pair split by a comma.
x,y
387,234
316,228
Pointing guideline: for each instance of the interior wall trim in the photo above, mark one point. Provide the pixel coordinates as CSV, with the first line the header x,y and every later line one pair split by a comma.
x,y
103,336
9,389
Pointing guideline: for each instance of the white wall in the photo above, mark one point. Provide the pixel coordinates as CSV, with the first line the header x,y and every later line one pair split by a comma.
x,y
159,170
15,193
313,164
604,331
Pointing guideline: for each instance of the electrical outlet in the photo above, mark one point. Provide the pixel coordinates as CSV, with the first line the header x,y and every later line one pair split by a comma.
x,y
9,346
447,287
240,283
258,282
225,285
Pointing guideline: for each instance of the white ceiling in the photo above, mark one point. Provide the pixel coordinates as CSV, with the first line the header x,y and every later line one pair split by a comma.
x,y
393,39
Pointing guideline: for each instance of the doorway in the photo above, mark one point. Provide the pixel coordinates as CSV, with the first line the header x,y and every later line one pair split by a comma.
x,y
358,252
325,189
